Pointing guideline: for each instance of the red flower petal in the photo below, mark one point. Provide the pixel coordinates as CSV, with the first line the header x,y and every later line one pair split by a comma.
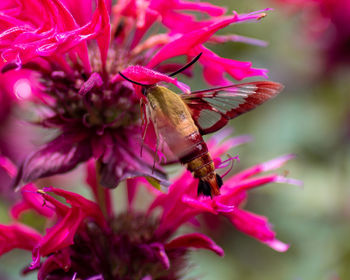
x,y
32,200
80,9
17,236
60,155
26,37
59,260
262,167
257,227
215,66
147,76
195,240
188,43
59,236
8,166
89,208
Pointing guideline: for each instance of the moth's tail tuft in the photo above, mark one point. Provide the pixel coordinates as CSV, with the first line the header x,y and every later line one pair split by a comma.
x,y
210,185
219,180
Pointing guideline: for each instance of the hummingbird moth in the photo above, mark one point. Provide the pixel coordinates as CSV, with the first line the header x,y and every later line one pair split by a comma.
x,y
182,119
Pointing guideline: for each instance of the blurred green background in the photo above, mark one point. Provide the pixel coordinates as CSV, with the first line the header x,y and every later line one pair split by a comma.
x,y
310,118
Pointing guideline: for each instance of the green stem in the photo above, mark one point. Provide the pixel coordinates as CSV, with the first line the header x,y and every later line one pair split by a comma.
x,y
101,195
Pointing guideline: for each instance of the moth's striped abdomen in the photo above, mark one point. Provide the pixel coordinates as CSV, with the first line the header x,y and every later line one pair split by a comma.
x,y
200,163
173,121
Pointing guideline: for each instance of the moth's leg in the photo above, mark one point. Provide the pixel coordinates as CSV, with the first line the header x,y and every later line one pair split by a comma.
x,y
162,151
144,124
155,155
148,118
154,121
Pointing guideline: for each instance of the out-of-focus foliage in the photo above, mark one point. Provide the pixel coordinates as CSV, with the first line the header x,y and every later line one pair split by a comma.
x,y
311,118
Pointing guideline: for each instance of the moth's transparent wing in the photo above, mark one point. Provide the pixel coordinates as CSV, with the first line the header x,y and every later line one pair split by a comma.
x,y
211,109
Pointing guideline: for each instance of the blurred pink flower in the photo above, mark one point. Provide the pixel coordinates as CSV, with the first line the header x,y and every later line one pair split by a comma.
x,y
15,87
136,244
327,22
76,54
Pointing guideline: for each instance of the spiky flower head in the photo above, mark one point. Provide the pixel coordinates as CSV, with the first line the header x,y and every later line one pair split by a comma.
x,y
76,54
89,240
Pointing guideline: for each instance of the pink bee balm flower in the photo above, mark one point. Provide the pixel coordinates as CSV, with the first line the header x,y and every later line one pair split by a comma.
x,y
88,240
76,54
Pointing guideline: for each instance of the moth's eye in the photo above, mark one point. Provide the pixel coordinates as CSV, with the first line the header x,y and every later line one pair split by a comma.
x,y
143,90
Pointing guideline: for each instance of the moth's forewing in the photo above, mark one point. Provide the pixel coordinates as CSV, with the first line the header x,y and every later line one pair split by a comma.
x,y
172,120
212,108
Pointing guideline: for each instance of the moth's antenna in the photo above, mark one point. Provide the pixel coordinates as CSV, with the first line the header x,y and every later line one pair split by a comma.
x,y
131,81
186,66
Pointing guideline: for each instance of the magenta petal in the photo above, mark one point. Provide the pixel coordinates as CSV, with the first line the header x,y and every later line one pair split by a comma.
x,y
174,196
100,26
214,74
250,183
147,76
22,41
218,150
257,227
262,167
61,210
59,236
8,166
291,181
277,245
94,81
62,234
195,240
18,209
222,208
60,155
202,7
276,163
254,16
238,38
59,260
203,206
17,236
180,23
88,207
80,9
160,253
186,44
217,65
219,137
34,38
113,170
32,200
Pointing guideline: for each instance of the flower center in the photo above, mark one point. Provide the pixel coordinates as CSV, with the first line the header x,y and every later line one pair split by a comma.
x,y
129,249
93,100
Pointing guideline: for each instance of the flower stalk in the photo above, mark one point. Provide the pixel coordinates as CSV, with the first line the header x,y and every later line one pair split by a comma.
x,y
101,193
